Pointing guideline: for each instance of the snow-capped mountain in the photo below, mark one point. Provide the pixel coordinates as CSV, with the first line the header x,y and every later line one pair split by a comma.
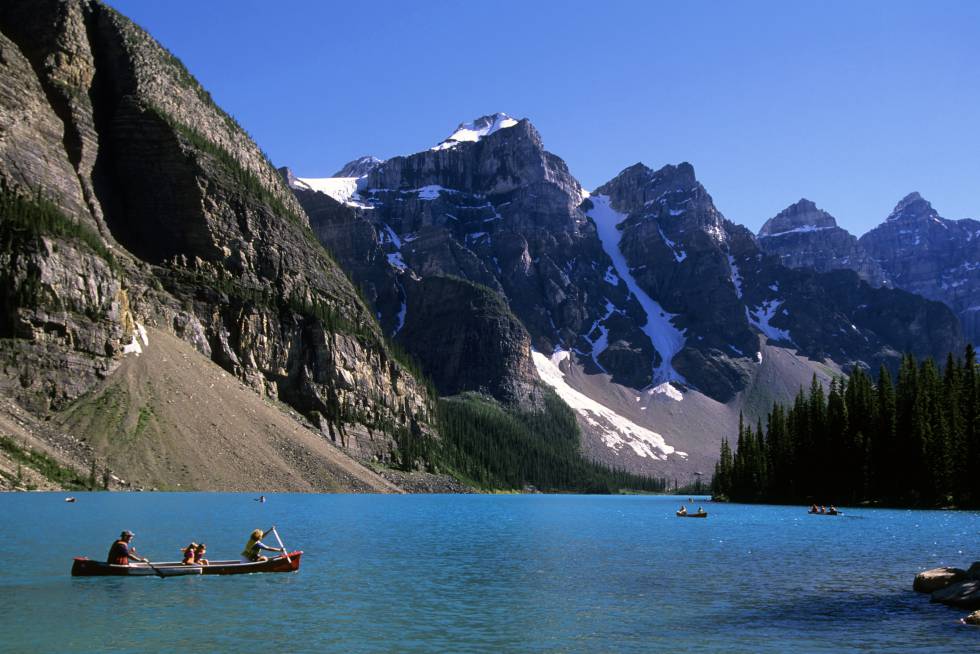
x,y
647,311
359,167
476,130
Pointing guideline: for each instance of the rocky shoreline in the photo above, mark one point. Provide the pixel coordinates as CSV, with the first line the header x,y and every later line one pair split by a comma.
x,y
953,587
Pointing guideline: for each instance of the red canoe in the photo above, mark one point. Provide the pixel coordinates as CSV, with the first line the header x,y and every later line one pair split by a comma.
x,y
85,567
703,514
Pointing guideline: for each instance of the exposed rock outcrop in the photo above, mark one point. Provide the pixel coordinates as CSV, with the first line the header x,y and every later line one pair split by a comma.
x,y
496,210
924,253
929,581
645,284
961,594
471,340
157,208
722,290
803,236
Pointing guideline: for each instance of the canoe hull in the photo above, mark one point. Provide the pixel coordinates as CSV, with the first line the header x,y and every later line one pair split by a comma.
x,y
84,567
692,515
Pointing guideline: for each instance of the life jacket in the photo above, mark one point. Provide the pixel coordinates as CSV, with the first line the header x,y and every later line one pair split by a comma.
x,y
188,555
251,551
118,553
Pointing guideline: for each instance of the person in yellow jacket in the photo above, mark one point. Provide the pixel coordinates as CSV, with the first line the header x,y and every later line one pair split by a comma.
x,y
254,546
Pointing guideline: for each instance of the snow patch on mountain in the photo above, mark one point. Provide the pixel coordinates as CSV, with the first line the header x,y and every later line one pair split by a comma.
x,y
616,431
341,189
761,316
476,130
601,342
134,347
803,229
611,277
430,192
667,390
666,338
678,255
736,276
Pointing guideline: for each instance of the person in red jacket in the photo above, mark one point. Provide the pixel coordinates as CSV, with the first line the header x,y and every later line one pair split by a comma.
x,y
122,552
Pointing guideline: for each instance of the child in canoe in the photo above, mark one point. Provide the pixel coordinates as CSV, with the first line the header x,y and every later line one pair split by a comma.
x,y
199,553
189,554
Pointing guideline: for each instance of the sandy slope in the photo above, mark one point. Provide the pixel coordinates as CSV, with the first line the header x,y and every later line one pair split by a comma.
x,y
171,419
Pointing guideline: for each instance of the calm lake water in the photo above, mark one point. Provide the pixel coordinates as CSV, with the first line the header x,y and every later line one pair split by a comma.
x,y
483,574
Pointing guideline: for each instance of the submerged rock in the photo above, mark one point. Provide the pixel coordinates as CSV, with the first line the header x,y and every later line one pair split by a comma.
x,y
962,594
929,581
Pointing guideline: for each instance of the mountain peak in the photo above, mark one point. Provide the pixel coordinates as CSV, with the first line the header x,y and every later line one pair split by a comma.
x,y
359,167
475,130
802,216
913,207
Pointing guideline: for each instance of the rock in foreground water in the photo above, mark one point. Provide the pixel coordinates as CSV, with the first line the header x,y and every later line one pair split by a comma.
x,y
962,594
929,581
973,618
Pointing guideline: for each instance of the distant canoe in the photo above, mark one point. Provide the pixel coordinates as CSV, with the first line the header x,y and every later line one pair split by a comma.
x,y
825,513
692,515
85,567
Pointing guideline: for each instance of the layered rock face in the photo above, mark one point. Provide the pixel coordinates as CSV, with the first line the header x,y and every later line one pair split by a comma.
x,y
927,254
156,208
471,340
645,281
722,289
803,236
490,206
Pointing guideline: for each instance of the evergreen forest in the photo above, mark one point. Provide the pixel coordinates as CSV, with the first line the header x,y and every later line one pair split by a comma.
x,y
908,440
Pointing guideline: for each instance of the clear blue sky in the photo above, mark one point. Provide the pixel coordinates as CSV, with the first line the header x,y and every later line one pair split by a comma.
x,y
850,104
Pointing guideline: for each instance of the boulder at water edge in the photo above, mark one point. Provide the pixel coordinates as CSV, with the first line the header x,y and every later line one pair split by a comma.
x,y
974,571
929,581
962,594
973,618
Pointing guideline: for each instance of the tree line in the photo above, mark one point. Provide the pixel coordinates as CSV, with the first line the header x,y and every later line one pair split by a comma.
x,y
497,448
909,440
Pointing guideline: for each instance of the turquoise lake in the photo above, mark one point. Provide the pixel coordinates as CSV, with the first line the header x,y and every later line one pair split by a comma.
x,y
521,573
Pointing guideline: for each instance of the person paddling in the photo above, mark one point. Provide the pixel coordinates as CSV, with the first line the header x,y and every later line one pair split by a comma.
x,y
254,546
122,552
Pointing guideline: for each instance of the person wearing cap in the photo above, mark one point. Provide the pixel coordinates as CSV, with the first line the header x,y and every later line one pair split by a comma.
x,y
121,552
254,546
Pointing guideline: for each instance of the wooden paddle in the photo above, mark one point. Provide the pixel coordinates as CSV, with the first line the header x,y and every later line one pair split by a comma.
x,y
154,568
279,540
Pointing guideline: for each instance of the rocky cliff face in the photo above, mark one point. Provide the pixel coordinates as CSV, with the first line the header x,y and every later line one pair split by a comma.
x,y
719,292
643,285
490,206
131,199
645,281
924,253
803,236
